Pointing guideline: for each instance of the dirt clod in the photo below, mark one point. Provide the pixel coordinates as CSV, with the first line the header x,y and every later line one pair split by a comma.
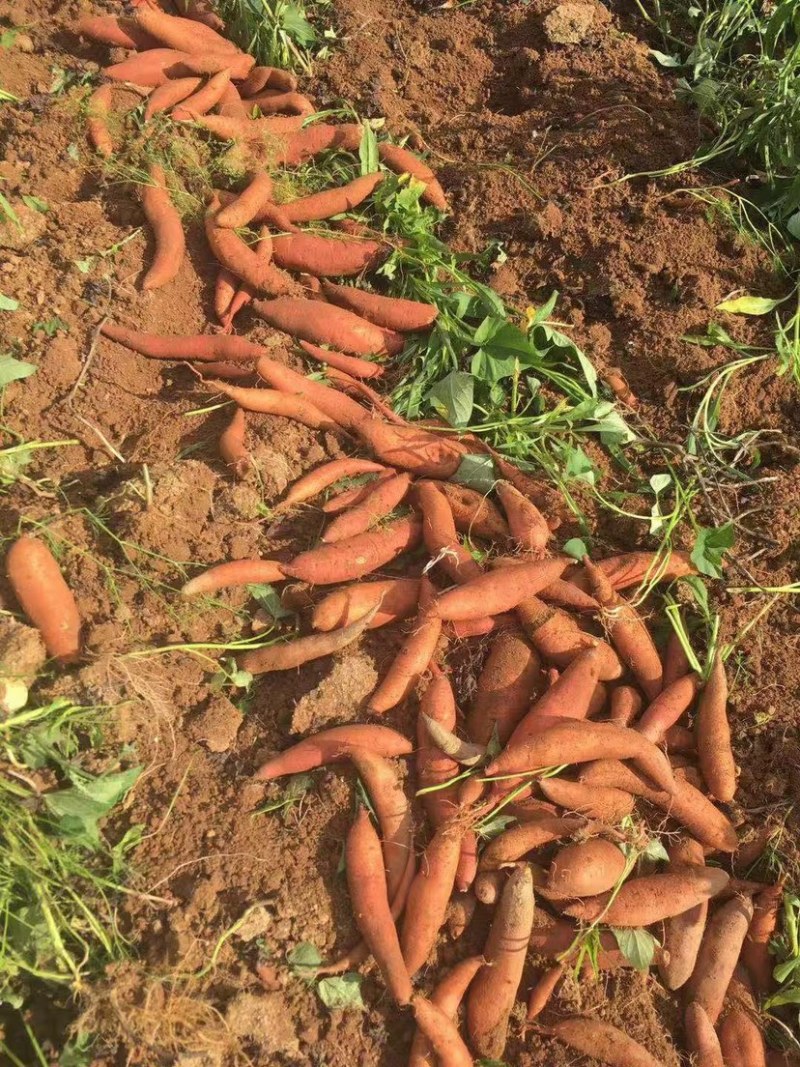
x,y
569,23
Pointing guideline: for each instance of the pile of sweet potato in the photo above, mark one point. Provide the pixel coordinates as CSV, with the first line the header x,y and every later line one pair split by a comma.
x,y
578,728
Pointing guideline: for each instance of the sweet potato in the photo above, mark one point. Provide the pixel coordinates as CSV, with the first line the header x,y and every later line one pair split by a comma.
x,y
512,844
410,448
651,898
433,767
324,324
270,101
701,1038
356,556
719,951
543,990
440,537
186,35
316,481
627,632
474,514
447,996
573,741
224,291
412,659
713,735
603,1042
232,445
337,407
755,951
493,991
269,133
558,639
271,402
172,92
570,696
626,703
527,524
119,32
401,161
676,662
45,597
429,894
585,869
252,267
238,572
442,1033
683,932
497,591
385,790
741,1041
395,598
510,676
361,368
245,207
334,201
333,746
167,228
206,97
157,65
97,111
383,499
230,103
567,595
355,387
312,140
205,347
632,568
605,803
670,704
387,311
366,881
322,256
291,654
261,78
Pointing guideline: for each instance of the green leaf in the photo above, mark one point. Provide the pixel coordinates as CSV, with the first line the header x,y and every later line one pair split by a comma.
x,y
699,591
710,547
79,807
85,265
655,850
576,548
8,303
304,960
297,26
35,203
8,211
663,59
50,327
637,945
793,225
748,305
492,369
269,599
7,37
494,827
12,370
579,467
476,472
368,150
453,397
342,993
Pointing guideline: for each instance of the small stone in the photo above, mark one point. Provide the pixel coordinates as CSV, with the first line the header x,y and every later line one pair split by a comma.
x,y
23,43
569,23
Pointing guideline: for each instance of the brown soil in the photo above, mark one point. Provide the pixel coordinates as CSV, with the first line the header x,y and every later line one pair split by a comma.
x,y
530,136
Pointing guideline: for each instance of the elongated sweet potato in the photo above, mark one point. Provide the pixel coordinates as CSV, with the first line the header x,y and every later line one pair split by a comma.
x,y
232,445
268,133
447,996
603,1042
626,703
322,256
668,707
713,735
291,654
167,228
271,101
395,598
439,534
719,951
411,448
651,898
429,894
632,568
333,746
474,514
401,161
510,676
512,844
261,78
385,790
311,140
558,638
97,111
604,803
412,659
684,932
527,524
157,65
323,324
390,312
568,596
271,402
252,267
570,696
172,92
755,952
497,591
442,1033
45,597
434,768
334,201
186,35
676,662
205,347
701,1038
316,481
206,97
356,556
361,368
340,408
237,572
383,499
118,31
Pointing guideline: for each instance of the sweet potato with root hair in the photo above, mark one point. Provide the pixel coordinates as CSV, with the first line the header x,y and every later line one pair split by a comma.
x,y
670,704
527,524
497,591
254,268
237,572
271,402
167,228
446,996
45,597
366,881
261,78
440,537
605,803
511,674
401,161
574,741
585,869
493,991
410,448
603,1042
245,207
569,697
186,35
755,951
631,568
713,735
357,556
474,514
157,65
271,132
411,660
542,992
334,201
322,256
355,387
205,347
651,898
97,111
316,481
333,746
459,914
429,895
232,445
626,703
433,767
512,844
361,368
684,932
310,141
719,952
337,407
172,92
676,662
323,324
627,631
206,97
741,1041
117,31
390,312
701,1037
385,790
382,501
442,1034
291,654
558,638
